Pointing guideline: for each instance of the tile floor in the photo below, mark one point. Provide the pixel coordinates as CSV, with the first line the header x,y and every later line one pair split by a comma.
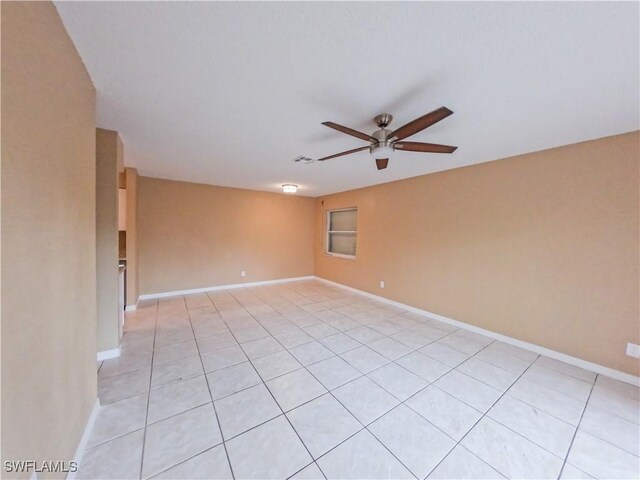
x,y
305,380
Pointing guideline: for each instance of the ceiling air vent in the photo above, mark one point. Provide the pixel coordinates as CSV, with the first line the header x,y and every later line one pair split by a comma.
x,y
302,159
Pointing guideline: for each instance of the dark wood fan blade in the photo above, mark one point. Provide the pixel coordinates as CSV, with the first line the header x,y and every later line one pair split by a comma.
x,y
349,131
382,163
343,153
421,123
424,147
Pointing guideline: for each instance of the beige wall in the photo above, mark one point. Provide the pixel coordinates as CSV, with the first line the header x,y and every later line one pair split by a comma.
x,y
108,160
132,237
192,235
541,247
48,237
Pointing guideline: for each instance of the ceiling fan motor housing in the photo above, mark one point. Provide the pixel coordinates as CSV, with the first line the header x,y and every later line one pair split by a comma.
x,y
382,137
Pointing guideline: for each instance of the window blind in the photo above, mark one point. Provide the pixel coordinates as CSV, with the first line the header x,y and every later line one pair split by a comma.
x,y
341,233
342,243
343,221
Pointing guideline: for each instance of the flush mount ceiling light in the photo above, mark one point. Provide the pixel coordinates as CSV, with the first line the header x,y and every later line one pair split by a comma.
x,y
289,188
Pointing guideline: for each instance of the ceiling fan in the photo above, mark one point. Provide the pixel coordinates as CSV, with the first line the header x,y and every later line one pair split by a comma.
x,y
383,142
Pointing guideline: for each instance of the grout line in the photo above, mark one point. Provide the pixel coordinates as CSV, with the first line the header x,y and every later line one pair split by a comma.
x,y
146,416
186,459
564,462
566,374
596,435
116,437
119,399
307,466
542,410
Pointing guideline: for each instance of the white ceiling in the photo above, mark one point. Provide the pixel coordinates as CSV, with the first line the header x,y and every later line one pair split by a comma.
x,y
230,93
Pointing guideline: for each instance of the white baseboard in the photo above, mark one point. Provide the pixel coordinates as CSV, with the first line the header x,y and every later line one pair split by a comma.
x,y
85,437
150,296
578,362
131,308
107,354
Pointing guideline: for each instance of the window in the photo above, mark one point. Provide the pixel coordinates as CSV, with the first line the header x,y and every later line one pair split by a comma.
x,y
342,232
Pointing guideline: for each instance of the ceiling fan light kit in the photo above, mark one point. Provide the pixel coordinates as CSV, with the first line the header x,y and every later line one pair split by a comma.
x,y
383,142
379,150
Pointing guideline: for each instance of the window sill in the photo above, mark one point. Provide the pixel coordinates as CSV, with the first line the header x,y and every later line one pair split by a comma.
x,y
339,255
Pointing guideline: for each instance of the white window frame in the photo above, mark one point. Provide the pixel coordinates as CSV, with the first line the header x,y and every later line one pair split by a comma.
x,y
328,232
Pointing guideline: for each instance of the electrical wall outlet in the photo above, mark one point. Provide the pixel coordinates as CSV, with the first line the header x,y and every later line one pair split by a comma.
x,y
633,350
243,273
381,284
